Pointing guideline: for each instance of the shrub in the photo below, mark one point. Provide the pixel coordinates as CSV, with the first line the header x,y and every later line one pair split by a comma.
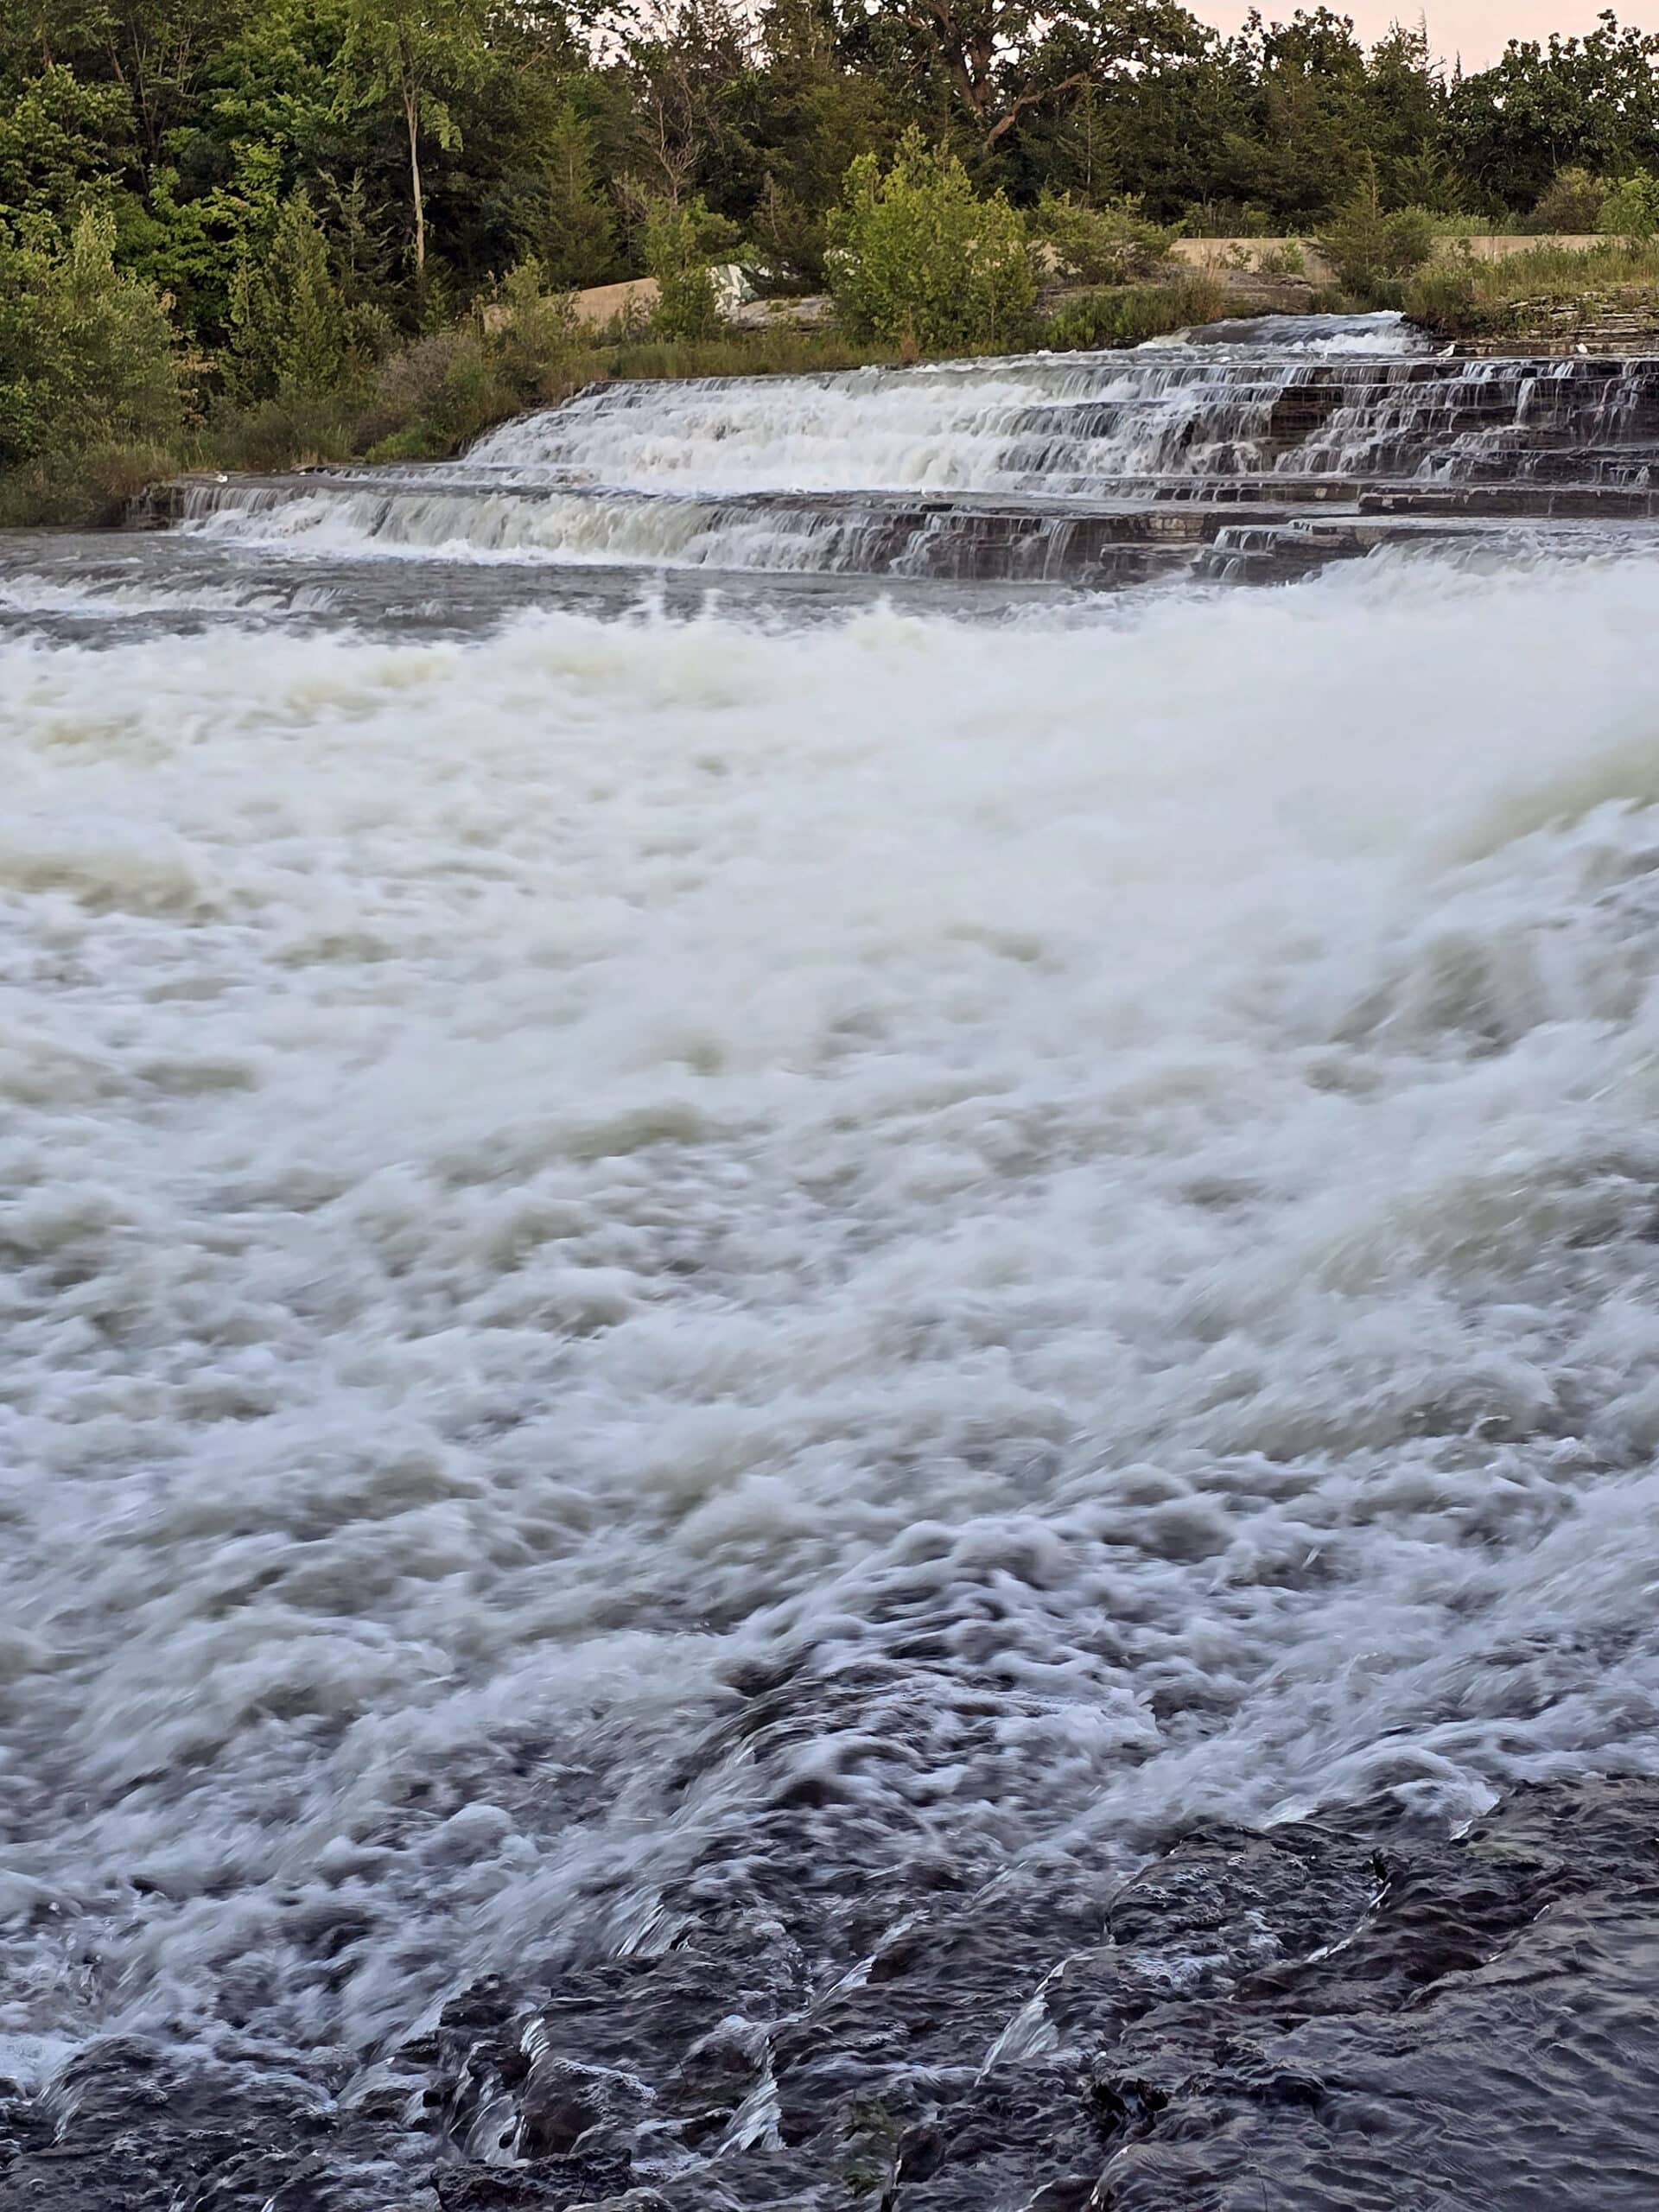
x,y
1444,298
275,434
85,490
1285,260
1571,206
529,333
1111,243
918,259
1130,316
435,394
1632,207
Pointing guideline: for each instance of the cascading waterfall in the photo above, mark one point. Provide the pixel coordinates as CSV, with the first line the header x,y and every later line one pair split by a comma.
x,y
1090,470
830,1375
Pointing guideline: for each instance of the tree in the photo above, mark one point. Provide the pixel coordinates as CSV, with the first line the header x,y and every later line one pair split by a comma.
x,y
985,63
62,142
1632,207
680,242
421,54
87,354
566,223
919,258
1368,248
293,332
1591,102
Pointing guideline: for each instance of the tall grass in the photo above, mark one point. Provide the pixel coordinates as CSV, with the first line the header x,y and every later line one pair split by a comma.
x,y
1461,297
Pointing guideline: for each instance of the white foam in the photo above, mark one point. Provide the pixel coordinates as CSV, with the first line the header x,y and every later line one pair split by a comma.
x,y
536,1170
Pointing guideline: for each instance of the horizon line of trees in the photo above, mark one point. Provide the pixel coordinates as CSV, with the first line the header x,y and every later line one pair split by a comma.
x,y
436,142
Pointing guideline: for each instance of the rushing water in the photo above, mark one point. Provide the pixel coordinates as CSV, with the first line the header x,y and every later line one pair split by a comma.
x,y
671,1268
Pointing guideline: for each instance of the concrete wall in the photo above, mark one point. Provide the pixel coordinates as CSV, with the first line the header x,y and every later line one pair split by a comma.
x,y
602,302
1250,253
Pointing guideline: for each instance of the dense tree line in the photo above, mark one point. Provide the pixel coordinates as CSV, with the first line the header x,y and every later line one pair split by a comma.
x,y
308,182
432,144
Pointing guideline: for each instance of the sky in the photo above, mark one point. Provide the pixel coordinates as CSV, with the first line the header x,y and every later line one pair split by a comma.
x,y
1478,29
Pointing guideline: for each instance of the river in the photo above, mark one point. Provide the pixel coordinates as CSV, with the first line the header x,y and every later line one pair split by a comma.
x,y
747,1235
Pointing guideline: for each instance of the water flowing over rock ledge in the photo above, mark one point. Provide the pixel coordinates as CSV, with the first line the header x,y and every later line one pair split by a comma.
x,y
1092,471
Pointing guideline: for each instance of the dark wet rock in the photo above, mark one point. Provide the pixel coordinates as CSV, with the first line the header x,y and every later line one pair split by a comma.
x,y
1353,2012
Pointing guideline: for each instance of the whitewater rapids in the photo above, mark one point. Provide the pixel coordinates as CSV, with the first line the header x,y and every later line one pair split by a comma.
x,y
1083,1197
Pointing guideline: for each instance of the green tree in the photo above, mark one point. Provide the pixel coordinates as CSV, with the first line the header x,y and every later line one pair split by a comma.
x,y
293,331
1591,102
88,353
420,54
680,246
1369,248
62,143
193,247
918,257
1632,207
567,225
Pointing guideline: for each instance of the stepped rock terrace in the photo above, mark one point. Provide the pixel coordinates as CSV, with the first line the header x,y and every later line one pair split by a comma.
x,y
1338,436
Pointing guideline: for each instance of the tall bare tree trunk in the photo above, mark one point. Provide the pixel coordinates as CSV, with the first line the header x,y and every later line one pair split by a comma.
x,y
412,117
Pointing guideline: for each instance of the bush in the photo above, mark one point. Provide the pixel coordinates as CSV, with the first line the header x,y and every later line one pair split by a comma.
x,y
1444,298
1631,209
1572,206
680,242
87,355
1285,260
529,332
1130,316
86,490
918,260
1371,251
434,396
276,434
1111,243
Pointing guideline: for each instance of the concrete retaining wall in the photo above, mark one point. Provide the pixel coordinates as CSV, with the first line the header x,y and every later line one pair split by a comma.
x,y
1250,253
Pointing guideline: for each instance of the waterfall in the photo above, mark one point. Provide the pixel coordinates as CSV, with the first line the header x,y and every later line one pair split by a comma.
x,y
1088,470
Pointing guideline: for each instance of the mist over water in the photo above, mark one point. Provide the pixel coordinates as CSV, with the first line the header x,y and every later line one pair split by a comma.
x,y
705,1263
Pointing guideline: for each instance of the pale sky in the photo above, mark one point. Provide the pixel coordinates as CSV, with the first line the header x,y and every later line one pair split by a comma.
x,y
1478,29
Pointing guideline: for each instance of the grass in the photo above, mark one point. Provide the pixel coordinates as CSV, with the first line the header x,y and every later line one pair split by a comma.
x,y
430,399
1532,293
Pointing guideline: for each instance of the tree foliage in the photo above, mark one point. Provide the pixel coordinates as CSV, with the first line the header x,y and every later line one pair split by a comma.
x,y
86,352
310,182
1367,246
681,244
919,259
1631,209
